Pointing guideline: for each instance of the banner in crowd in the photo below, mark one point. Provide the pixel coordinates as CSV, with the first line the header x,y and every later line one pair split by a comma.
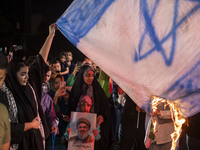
x,y
149,47
81,136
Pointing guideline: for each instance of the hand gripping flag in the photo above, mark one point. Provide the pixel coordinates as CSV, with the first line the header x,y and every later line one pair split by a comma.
x,y
149,47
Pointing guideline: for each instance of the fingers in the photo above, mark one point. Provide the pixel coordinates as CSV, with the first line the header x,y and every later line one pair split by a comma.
x,y
69,131
99,123
52,29
54,130
36,122
68,88
36,119
66,118
99,120
62,89
60,92
56,28
95,132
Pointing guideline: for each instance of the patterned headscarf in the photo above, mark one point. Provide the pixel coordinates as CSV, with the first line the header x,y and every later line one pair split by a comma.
x,y
83,99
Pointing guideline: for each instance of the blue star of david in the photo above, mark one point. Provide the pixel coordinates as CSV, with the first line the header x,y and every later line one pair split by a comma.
x,y
151,32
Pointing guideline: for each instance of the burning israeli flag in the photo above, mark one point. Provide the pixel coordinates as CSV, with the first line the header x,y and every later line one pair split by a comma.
x,y
149,47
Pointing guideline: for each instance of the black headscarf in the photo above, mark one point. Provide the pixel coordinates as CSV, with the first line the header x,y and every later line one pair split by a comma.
x,y
100,103
21,93
25,101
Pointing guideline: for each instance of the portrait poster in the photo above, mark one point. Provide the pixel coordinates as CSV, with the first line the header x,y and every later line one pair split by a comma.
x,y
82,126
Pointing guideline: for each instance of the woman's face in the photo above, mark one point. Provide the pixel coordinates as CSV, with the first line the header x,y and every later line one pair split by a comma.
x,y
47,77
89,77
57,83
22,75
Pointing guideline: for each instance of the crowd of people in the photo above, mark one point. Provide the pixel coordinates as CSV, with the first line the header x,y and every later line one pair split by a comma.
x,y
37,97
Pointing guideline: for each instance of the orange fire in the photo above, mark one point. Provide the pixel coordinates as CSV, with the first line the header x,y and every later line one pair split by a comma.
x,y
177,118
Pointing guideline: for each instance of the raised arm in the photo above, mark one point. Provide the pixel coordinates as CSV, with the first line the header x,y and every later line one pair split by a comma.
x,y
44,51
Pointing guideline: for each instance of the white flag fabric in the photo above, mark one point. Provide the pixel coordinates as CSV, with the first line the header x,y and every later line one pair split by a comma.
x,y
149,47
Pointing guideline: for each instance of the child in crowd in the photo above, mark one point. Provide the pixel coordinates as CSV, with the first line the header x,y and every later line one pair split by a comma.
x,y
84,105
70,64
60,99
45,84
64,66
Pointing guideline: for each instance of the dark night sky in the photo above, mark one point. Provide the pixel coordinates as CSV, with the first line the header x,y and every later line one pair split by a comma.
x,y
25,22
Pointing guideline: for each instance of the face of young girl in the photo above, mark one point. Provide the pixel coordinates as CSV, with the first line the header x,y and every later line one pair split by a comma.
x,y
57,83
85,107
63,59
22,75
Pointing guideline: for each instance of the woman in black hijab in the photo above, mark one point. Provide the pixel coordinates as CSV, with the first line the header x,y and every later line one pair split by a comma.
x,y
25,85
87,84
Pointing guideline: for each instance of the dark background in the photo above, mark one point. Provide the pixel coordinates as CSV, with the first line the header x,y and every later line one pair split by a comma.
x,y
26,22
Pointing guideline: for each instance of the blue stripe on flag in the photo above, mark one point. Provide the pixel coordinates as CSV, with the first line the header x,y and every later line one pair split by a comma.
x,y
194,0
187,89
186,84
80,17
